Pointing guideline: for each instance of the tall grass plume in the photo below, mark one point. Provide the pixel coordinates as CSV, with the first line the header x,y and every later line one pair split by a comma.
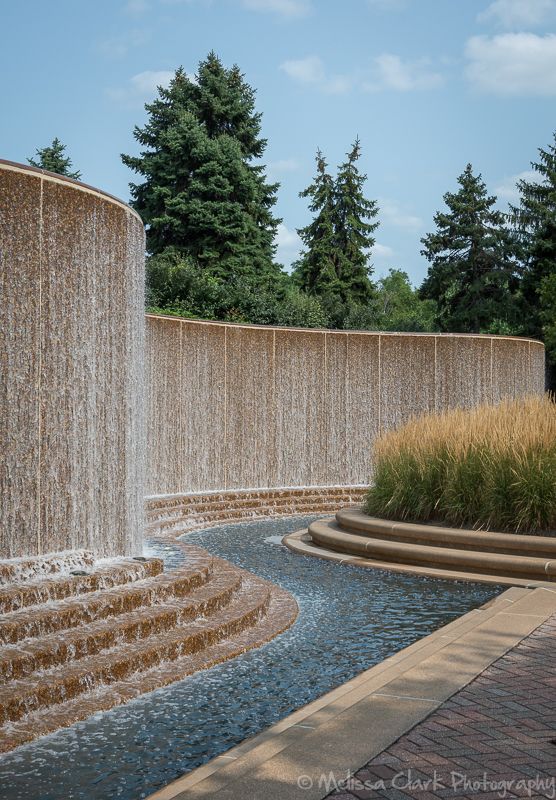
x,y
492,467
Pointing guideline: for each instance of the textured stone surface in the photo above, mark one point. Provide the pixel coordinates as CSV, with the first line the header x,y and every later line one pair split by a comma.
x,y
71,360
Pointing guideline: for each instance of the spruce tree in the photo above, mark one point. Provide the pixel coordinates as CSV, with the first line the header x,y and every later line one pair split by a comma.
x,y
52,158
335,263
535,221
317,269
204,194
353,214
473,275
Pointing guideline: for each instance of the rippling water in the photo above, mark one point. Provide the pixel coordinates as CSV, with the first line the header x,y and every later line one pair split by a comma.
x,y
350,618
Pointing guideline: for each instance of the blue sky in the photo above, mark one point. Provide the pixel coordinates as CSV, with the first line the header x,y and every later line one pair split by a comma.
x,y
427,85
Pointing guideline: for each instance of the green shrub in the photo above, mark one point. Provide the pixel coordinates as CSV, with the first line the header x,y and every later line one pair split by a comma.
x,y
491,467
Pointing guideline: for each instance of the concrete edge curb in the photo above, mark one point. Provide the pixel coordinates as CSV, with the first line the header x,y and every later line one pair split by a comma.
x,y
343,729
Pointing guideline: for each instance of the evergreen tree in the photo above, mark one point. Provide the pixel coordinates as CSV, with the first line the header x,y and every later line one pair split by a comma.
x,y
354,234
52,158
317,269
535,221
202,195
473,275
334,265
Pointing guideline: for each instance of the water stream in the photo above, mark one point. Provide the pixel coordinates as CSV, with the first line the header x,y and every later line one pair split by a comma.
x,y
350,619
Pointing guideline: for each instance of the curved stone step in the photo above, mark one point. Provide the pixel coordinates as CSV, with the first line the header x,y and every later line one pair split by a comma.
x,y
355,521
22,595
24,569
103,604
57,649
55,686
329,535
281,613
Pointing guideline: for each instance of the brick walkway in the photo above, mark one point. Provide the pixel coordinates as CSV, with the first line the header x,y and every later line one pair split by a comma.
x,y
496,738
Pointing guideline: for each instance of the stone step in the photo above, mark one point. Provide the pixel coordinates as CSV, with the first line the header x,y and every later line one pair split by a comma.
x,y
232,515
104,575
355,521
24,569
47,652
214,505
64,683
103,604
282,611
327,534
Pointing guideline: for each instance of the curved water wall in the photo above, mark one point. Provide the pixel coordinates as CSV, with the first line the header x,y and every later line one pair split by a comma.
x,y
239,406
71,367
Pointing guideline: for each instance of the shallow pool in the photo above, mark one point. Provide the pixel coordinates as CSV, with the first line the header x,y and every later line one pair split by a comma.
x,y
350,618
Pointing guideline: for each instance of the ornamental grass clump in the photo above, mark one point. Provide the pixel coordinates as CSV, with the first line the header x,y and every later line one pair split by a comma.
x,y
492,467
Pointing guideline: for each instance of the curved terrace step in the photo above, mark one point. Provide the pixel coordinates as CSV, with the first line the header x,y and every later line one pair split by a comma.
x,y
47,652
51,687
355,521
281,612
103,604
382,549
41,590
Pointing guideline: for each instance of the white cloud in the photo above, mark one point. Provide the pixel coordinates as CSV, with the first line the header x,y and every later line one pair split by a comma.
x,y
392,215
519,14
310,71
288,245
284,165
119,46
508,190
392,72
141,87
136,6
284,8
382,252
512,63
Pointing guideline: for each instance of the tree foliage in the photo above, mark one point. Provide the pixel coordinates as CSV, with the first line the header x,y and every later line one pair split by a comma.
x,y
334,265
53,159
205,194
473,274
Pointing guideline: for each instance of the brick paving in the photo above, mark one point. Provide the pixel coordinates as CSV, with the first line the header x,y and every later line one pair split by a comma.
x,y
496,738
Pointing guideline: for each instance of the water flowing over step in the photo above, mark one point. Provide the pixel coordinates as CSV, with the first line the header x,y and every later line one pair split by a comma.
x,y
73,643
185,512
486,556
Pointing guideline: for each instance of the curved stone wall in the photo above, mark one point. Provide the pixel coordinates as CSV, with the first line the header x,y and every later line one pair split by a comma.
x,y
71,362
239,406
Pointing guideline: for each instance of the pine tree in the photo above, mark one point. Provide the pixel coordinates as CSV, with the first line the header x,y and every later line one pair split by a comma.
x,y
202,195
334,265
354,234
473,275
317,269
52,158
535,222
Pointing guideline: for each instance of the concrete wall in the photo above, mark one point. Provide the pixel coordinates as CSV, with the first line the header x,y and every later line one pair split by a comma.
x,y
71,367
233,406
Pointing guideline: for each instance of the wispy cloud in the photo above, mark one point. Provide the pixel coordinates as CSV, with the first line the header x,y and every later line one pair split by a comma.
x,y
141,87
288,245
393,215
310,71
392,72
508,191
136,7
512,64
119,46
283,8
382,252
519,14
